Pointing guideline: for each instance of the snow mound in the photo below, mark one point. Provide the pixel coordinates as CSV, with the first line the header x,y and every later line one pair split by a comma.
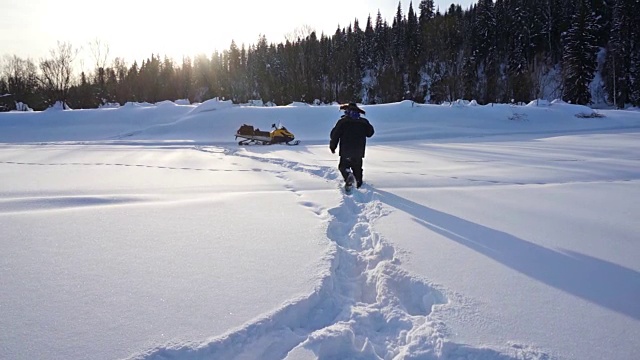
x,y
460,103
109,106
211,105
182,102
298,104
405,103
20,106
575,110
136,104
257,102
473,103
58,106
539,102
165,103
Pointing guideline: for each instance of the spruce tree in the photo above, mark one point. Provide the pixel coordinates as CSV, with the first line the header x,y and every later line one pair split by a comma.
x,y
368,61
368,46
132,82
312,59
452,54
486,51
413,46
618,68
518,77
185,90
427,40
580,50
383,59
635,57
234,66
398,29
355,40
425,11
260,66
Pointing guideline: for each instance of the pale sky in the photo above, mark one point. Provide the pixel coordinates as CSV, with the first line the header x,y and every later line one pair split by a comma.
x,y
134,29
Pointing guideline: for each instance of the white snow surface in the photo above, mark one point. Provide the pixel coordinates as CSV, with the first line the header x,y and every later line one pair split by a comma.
x,y
482,232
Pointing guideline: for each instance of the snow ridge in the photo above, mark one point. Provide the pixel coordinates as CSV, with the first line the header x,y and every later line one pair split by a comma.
x,y
365,307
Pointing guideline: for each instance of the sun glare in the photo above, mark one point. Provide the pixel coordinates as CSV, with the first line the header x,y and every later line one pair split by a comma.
x,y
134,30
199,27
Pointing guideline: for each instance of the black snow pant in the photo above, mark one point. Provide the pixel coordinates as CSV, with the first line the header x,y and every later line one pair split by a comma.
x,y
355,164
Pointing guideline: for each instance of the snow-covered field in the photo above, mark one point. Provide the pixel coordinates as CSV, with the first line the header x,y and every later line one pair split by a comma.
x,y
482,232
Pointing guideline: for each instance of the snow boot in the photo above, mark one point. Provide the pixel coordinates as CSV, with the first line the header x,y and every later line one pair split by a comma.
x,y
349,182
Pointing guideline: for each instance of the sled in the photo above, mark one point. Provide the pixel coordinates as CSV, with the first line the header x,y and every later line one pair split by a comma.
x,y
253,136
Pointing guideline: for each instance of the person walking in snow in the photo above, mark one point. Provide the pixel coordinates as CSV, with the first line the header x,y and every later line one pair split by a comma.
x,y
351,133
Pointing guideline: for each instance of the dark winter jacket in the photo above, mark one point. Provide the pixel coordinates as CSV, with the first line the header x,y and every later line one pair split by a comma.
x,y
351,134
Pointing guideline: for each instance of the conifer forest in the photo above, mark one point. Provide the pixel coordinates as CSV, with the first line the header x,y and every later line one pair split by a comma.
x,y
496,51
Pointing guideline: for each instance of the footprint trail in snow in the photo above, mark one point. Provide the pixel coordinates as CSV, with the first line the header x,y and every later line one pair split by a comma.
x,y
365,307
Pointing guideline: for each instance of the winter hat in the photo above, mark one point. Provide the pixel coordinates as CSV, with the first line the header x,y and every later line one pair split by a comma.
x,y
351,106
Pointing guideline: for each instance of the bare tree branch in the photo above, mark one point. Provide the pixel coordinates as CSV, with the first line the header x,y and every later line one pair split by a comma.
x,y
299,33
57,71
100,52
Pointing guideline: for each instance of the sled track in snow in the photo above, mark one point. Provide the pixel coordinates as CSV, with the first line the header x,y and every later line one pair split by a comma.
x,y
365,307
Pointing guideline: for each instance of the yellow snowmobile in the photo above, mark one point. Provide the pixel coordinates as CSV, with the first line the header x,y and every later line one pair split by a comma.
x,y
278,135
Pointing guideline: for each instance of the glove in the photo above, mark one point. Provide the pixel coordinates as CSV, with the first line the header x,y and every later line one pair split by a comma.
x,y
333,150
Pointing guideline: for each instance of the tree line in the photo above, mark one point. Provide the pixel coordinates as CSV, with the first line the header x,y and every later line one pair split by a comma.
x,y
494,51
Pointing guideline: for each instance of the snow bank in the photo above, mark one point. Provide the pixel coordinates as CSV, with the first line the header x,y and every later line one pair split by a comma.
x,y
575,110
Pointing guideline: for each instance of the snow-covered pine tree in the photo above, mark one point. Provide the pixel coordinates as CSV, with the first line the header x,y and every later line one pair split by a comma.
x,y
312,57
518,78
381,56
413,45
397,84
398,30
427,31
635,56
380,41
368,61
618,64
355,39
427,39
486,51
580,50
